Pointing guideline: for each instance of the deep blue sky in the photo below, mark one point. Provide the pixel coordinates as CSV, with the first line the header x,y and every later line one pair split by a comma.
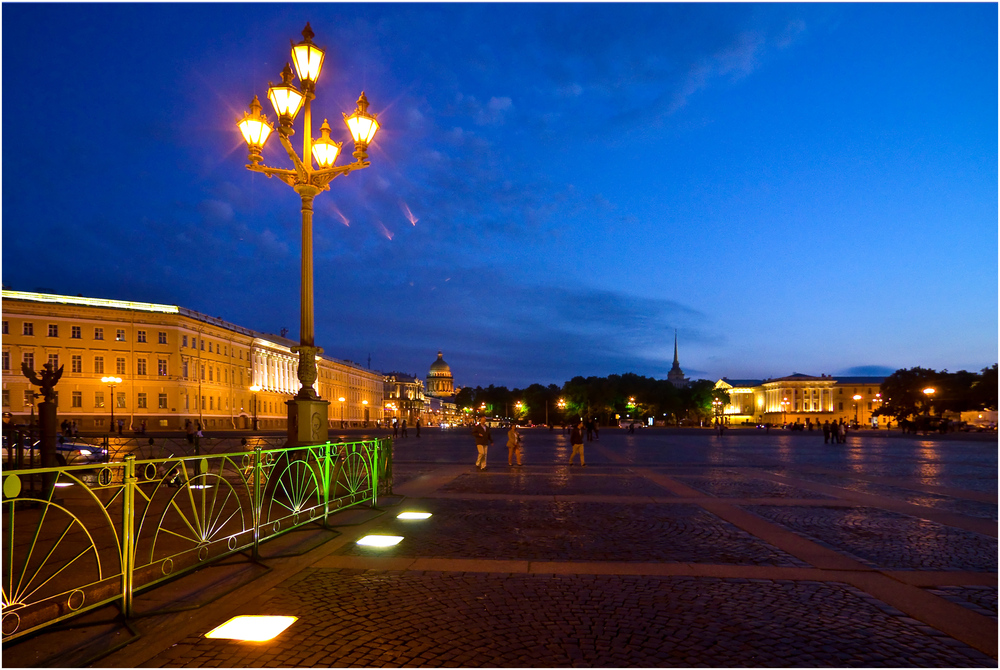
x,y
807,188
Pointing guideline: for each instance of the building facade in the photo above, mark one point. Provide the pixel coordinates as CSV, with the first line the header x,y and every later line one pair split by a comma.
x,y
404,398
176,365
800,398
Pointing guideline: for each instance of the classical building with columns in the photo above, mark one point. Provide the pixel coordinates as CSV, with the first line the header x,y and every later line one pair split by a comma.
x,y
176,365
803,398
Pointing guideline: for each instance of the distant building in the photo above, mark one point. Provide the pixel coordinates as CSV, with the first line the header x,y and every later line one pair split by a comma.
x,y
404,397
801,398
676,375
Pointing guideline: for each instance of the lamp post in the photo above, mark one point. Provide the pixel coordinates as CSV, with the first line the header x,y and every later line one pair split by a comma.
x,y
784,404
341,401
112,382
365,403
307,412
929,393
255,389
857,401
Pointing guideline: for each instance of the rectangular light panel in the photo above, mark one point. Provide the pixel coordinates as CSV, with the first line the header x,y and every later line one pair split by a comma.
x,y
380,540
414,515
251,628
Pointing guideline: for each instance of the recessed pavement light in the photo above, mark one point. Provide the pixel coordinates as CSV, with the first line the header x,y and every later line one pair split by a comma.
x,y
414,515
200,486
252,628
60,485
380,540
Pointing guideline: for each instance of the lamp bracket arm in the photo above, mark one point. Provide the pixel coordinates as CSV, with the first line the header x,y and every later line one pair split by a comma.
x,y
300,168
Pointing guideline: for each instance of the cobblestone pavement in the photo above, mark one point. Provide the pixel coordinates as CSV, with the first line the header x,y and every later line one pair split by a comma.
x,y
672,548
419,619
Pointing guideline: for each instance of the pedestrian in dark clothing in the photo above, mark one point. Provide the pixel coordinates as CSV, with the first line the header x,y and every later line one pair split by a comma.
x,y
395,427
576,441
418,427
481,432
404,428
189,430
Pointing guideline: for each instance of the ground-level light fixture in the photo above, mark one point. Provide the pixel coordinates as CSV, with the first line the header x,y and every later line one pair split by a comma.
x,y
252,628
380,540
414,515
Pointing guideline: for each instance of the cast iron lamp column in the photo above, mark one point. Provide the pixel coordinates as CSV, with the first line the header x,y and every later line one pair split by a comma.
x,y
112,382
307,412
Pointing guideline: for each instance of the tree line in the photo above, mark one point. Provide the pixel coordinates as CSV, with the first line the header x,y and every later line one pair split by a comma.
x,y
629,397
607,400
920,391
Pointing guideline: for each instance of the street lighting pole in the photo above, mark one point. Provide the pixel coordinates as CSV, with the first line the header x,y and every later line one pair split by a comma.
x,y
255,389
112,382
857,401
307,412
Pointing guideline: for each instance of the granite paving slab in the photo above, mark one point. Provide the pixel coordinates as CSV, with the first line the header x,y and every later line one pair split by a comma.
x,y
562,530
887,540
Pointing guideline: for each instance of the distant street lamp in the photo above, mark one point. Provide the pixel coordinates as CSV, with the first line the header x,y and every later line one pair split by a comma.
x,y
365,403
112,382
307,412
929,392
857,401
784,405
341,401
255,389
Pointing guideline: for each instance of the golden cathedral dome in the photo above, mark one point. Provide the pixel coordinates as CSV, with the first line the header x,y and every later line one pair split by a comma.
x,y
439,368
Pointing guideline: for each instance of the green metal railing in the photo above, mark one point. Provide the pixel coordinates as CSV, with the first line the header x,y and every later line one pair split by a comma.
x,y
103,532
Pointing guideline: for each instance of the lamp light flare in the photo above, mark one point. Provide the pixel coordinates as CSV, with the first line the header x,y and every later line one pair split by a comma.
x,y
409,214
385,231
340,215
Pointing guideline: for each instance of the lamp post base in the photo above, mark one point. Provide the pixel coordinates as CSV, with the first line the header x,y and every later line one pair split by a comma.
x,y
308,422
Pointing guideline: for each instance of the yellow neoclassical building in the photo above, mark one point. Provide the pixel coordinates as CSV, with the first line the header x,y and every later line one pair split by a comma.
x,y
803,398
175,365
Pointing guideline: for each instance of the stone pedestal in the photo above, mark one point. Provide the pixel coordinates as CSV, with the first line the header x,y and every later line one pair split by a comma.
x,y
308,422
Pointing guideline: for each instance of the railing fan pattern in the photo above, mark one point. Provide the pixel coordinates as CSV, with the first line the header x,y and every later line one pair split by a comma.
x,y
103,532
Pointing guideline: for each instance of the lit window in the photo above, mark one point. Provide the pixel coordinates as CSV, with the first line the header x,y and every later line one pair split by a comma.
x,y
163,401
119,335
99,399
161,367
141,401
120,401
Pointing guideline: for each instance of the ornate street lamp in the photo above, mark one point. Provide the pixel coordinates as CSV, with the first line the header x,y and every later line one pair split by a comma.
x,y
307,412
857,401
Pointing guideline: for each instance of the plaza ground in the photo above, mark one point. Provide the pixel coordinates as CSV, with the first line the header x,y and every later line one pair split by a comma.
x,y
670,548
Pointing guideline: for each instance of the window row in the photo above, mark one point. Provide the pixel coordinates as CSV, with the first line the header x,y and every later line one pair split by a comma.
x,y
76,332
219,349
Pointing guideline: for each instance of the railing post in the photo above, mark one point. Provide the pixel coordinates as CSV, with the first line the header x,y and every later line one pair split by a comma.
x,y
258,504
128,529
327,481
378,464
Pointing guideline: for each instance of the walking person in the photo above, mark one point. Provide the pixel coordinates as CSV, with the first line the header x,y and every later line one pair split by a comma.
x,y
513,446
404,428
842,432
483,440
418,426
395,427
576,440
826,432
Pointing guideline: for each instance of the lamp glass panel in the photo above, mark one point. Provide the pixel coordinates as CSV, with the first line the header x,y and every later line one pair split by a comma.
x,y
308,59
362,128
325,153
254,131
286,100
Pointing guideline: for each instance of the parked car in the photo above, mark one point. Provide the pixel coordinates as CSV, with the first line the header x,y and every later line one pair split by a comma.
x,y
67,453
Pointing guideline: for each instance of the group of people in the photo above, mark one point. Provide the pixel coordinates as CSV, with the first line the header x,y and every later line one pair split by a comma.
x,y
515,451
834,431
396,426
